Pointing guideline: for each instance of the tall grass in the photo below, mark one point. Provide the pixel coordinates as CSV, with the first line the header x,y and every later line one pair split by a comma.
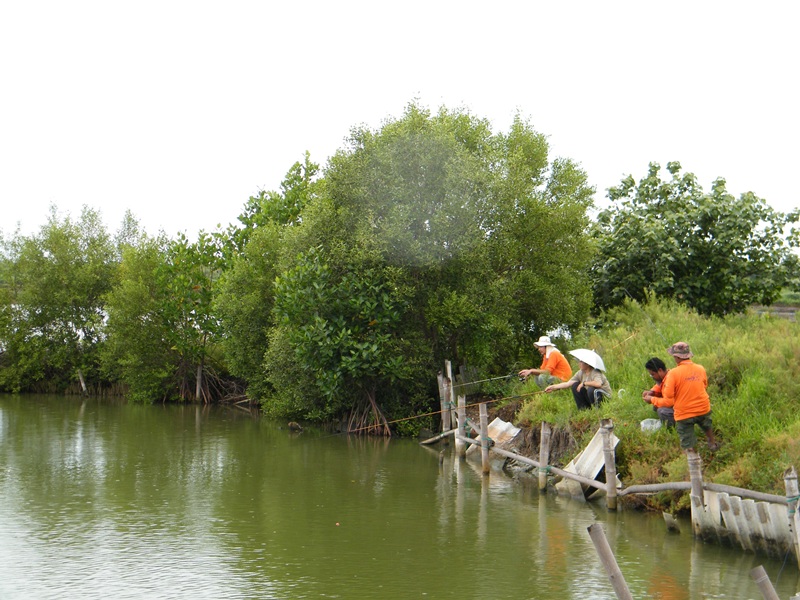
x,y
753,363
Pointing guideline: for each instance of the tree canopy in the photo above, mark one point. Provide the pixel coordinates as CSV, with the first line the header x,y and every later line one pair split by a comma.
x,y
51,303
711,251
452,242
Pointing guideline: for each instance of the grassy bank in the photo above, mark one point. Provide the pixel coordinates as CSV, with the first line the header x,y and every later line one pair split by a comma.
x,y
752,363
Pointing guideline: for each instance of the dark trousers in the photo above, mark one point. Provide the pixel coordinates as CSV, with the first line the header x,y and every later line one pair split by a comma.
x,y
587,397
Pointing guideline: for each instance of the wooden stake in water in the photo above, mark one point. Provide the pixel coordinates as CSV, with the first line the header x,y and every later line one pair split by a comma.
x,y
544,455
484,414
759,575
790,482
461,420
607,431
609,562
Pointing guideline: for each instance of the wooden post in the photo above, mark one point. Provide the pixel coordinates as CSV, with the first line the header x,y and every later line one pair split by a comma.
x,y
461,429
609,562
444,393
451,395
484,413
607,430
790,481
199,383
544,455
759,575
83,383
696,494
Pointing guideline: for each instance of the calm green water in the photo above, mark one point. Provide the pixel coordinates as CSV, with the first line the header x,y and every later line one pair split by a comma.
x,y
110,500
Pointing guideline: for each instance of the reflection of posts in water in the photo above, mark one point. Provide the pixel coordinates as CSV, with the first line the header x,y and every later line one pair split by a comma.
x,y
544,455
459,466
607,429
484,413
543,536
482,525
609,562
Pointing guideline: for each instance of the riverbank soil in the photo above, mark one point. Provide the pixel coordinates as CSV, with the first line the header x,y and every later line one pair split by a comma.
x,y
562,441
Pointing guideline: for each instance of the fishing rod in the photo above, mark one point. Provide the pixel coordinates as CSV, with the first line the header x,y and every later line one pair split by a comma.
x,y
485,380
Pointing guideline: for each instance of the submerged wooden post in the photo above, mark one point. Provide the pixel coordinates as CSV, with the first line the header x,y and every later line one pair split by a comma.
x,y
759,575
696,494
461,429
790,481
607,430
609,562
484,414
544,455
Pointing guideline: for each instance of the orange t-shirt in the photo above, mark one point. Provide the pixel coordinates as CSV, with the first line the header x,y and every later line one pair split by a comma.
x,y
657,399
685,386
557,365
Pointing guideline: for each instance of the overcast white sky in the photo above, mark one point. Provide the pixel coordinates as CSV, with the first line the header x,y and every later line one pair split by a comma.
x,y
179,111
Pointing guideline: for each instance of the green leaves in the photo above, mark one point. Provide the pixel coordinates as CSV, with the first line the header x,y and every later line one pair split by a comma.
x,y
711,251
340,324
52,312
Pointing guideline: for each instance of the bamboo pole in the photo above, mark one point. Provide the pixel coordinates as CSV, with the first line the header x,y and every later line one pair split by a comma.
x,y
83,383
544,455
451,394
461,420
790,482
759,575
653,488
444,392
606,430
438,437
609,562
198,386
484,414
696,495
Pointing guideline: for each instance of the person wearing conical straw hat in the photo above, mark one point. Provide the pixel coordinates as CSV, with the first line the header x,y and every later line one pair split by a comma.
x,y
685,386
555,367
589,384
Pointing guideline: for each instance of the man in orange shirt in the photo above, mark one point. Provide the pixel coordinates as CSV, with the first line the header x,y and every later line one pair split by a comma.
x,y
555,367
658,371
685,386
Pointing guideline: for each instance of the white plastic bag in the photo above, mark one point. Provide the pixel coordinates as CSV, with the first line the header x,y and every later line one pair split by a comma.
x,y
651,425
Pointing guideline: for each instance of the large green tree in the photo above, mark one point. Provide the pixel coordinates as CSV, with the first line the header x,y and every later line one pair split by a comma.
x,y
711,251
51,309
476,239
244,296
162,333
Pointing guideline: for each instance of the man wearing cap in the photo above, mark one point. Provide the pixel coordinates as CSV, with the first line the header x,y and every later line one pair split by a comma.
x,y
555,367
685,387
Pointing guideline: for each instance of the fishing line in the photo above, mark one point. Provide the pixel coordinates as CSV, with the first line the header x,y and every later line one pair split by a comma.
x,y
484,380
648,316
436,412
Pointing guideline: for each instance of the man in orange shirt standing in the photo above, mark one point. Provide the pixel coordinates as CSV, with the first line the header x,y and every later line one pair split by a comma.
x,y
555,367
685,387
